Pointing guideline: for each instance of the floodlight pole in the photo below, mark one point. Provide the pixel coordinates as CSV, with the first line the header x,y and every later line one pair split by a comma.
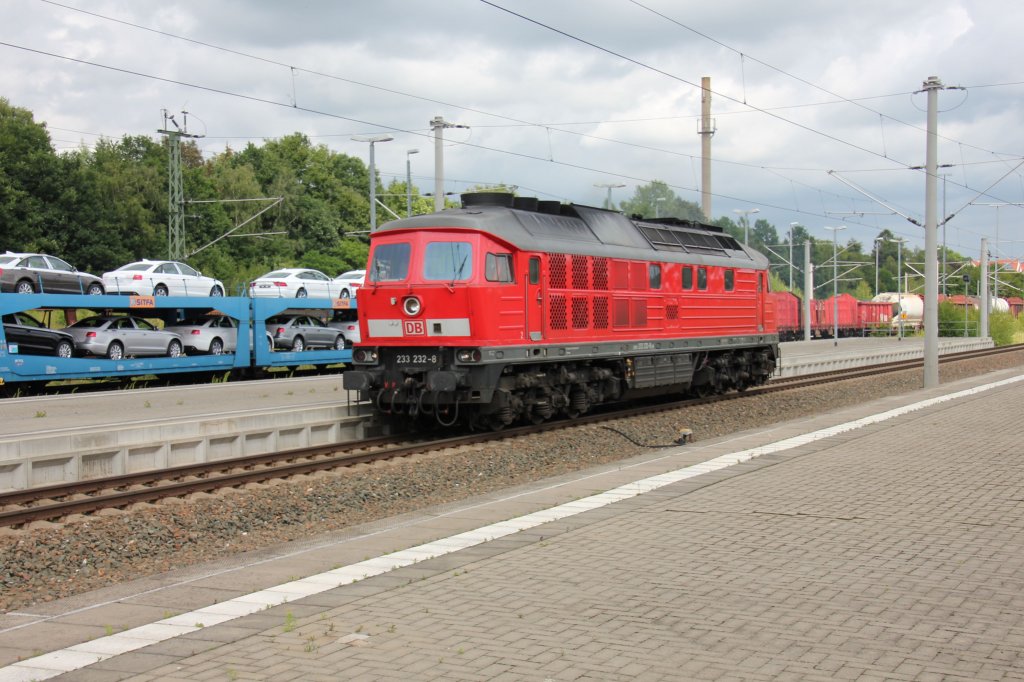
x,y
609,186
373,140
408,182
744,214
438,124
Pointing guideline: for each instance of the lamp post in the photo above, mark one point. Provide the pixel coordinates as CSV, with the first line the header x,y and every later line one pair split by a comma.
x,y
373,139
408,181
609,186
835,282
791,226
744,214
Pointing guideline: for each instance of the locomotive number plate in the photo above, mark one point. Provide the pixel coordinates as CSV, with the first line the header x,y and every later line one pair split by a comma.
x,y
418,359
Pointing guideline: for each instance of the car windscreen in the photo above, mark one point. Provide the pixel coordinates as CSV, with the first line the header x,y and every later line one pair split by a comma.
x,y
278,274
132,267
89,323
7,260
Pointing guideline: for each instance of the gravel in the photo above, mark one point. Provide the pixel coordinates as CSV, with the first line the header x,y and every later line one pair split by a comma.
x,y
52,561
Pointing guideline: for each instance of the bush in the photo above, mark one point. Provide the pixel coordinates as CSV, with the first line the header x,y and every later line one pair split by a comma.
x,y
1002,327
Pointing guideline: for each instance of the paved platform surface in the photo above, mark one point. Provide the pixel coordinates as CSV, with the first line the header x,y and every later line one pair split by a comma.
x,y
884,542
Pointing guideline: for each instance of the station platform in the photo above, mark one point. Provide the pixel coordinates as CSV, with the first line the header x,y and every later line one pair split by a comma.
x,y
800,358
64,439
884,541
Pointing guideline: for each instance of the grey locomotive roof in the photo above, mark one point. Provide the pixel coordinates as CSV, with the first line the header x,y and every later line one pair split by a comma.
x,y
593,232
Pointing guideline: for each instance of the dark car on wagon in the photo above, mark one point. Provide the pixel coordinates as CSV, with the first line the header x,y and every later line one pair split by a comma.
x,y
38,273
25,334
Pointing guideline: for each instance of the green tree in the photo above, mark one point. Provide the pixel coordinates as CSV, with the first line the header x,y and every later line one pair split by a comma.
x,y
31,182
656,199
862,291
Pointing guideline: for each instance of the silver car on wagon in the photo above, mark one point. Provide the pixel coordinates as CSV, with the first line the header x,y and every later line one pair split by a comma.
x,y
121,336
211,334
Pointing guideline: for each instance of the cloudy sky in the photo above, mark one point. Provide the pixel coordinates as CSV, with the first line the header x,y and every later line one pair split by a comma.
x,y
817,104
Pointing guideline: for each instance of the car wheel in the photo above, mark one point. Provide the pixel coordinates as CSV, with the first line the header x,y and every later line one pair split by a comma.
x,y
339,343
301,293
160,290
216,347
24,287
216,291
345,293
115,351
298,345
174,349
95,289
65,349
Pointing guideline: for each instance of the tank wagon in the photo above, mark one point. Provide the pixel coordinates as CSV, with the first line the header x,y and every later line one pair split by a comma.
x,y
516,310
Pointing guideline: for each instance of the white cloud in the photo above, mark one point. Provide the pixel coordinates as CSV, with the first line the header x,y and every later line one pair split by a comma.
x,y
470,55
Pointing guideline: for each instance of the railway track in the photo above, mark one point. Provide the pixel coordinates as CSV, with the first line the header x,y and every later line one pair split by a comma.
x,y
51,503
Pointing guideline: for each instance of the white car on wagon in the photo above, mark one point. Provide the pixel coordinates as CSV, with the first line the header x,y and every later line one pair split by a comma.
x,y
161,278
294,283
350,282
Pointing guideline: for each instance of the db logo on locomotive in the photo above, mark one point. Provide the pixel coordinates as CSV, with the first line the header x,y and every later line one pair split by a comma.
x,y
414,328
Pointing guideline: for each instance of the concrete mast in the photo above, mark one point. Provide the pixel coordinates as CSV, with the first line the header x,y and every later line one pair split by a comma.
x,y
707,129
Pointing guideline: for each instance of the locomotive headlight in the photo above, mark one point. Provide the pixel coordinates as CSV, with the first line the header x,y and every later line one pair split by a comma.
x,y
412,306
366,356
468,355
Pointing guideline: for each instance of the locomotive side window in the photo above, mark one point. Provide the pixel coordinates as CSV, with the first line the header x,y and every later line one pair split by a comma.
x,y
448,261
687,277
730,280
498,267
534,270
654,275
702,279
390,262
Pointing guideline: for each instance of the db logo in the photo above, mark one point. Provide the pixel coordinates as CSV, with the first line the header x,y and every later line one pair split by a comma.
x,y
414,328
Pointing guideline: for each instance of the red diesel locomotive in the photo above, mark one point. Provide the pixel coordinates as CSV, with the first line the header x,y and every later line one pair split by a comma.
x,y
512,309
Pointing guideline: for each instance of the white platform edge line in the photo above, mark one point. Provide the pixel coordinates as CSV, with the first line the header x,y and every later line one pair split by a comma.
x,y
67,660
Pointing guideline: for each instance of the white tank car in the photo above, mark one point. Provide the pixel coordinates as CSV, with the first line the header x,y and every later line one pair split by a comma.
x,y
911,308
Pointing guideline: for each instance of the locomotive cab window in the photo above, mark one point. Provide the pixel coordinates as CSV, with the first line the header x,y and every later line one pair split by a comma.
x,y
730,280
534,270
498,267
687,277
448,261
654,276
390,262
702,279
